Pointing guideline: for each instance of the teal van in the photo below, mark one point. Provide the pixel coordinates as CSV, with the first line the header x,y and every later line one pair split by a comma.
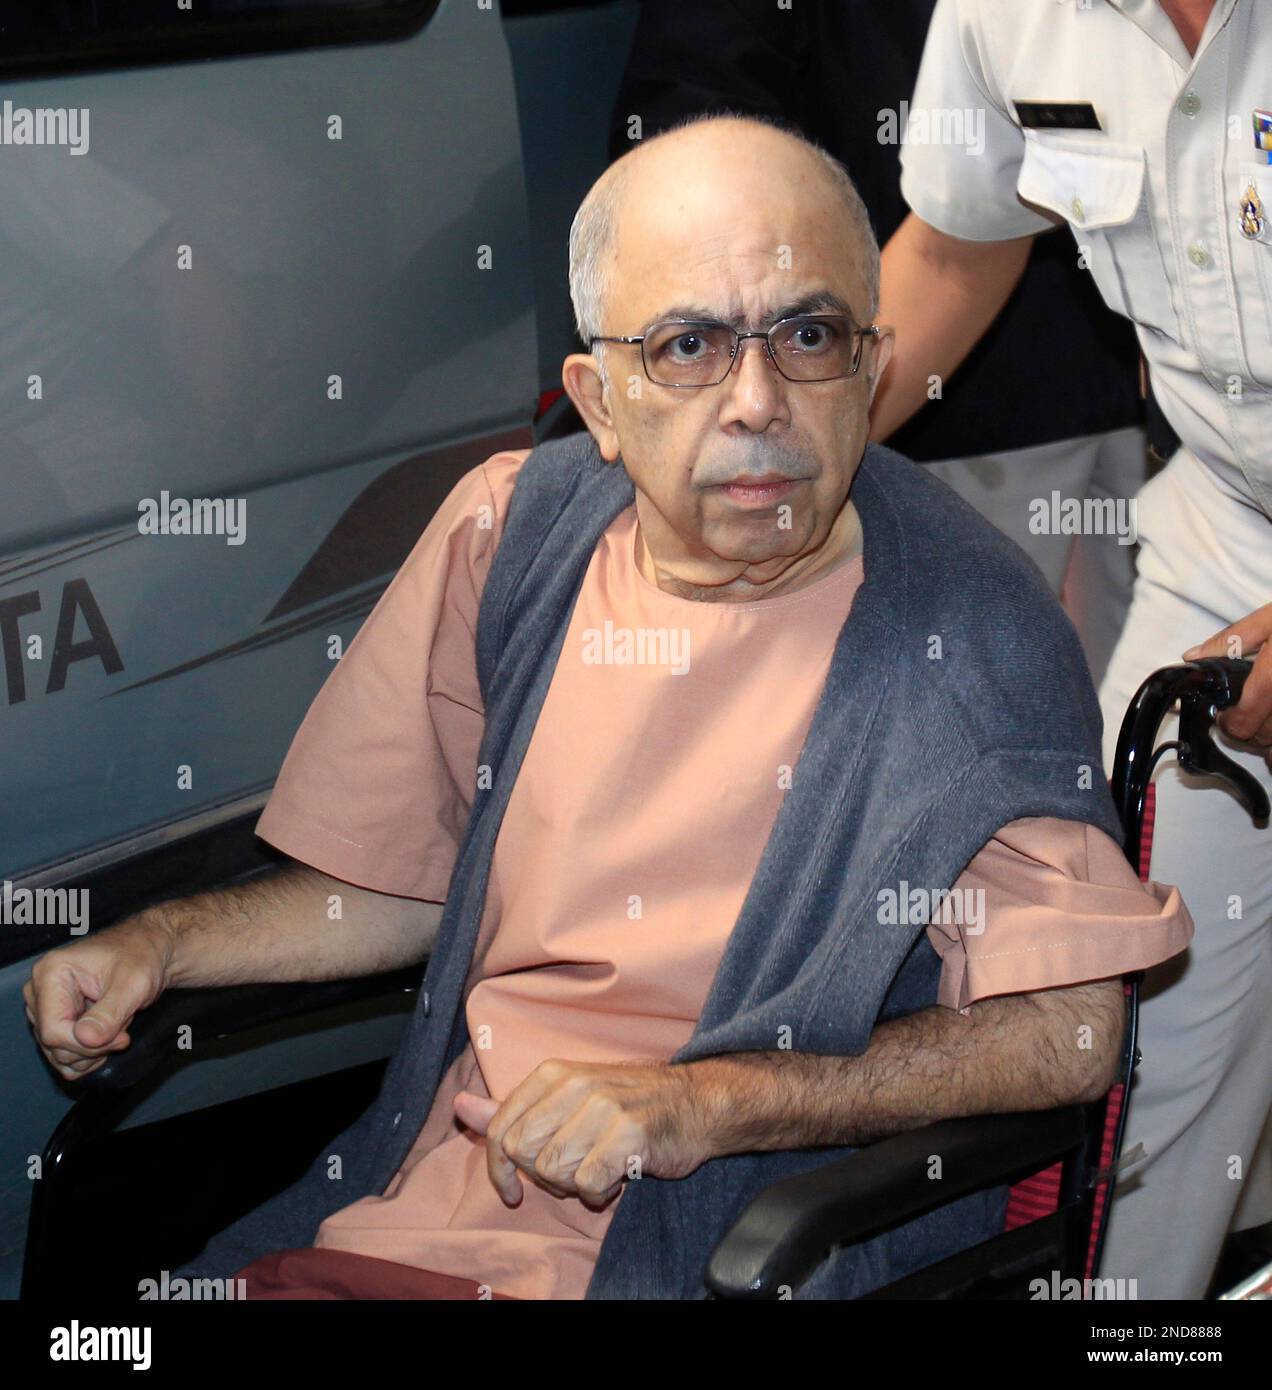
x,y
273,276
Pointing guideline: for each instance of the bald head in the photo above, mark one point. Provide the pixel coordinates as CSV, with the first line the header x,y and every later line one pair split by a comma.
x,y
741,480
696,179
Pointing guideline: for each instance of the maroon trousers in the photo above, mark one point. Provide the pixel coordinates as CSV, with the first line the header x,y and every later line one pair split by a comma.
x,y
313,1273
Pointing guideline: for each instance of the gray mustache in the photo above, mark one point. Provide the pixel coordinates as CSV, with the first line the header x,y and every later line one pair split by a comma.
x,y
757,470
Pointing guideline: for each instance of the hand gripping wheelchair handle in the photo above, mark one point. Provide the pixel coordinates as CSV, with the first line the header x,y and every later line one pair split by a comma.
x,y
1198,752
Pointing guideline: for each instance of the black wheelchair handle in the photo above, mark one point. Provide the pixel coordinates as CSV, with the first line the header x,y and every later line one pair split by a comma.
x,y
1202,688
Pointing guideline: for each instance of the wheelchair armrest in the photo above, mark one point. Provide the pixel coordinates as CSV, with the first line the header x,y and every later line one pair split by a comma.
x,y
788,1229
229,1009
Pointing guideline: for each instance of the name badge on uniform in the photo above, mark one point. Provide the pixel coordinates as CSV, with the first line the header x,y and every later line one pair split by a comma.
x,y
1057,115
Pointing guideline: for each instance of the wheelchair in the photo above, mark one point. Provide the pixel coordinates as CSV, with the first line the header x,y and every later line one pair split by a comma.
x,y
1061,1164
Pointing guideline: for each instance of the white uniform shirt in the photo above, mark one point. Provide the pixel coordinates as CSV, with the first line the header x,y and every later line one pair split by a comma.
x,y
1153,199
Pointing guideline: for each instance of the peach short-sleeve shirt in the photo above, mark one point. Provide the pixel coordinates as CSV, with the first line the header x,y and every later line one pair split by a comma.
x,y
657,766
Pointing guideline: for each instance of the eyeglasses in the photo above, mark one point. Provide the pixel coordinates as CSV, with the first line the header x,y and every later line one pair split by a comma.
x,y
691,352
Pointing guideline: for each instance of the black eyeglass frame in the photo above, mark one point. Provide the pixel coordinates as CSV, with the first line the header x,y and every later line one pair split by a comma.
x,y
872,331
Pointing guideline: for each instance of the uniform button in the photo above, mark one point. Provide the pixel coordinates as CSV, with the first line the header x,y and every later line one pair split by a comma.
x,y
426,1004
1198,255
1078,210
1190,104
397,1119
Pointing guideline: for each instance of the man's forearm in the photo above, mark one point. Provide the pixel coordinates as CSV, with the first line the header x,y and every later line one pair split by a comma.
x,y
940,294
297,924
1020,1052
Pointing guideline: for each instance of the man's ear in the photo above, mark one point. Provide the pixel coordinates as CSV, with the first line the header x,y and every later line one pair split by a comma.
x,y
580,375
880,358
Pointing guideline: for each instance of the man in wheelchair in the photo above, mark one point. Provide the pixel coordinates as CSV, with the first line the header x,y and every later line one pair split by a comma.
x,y
759,776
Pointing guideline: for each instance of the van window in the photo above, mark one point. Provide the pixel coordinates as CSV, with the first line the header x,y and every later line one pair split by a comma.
x,y
63,35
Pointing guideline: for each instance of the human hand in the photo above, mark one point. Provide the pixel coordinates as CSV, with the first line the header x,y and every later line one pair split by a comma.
x,y
579,1129
1250,719
81,998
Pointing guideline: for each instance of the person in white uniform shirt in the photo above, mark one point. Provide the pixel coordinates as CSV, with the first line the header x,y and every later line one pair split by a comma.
x,y
1147,126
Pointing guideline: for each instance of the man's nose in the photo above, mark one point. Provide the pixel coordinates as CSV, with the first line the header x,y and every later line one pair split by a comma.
x,y
754,382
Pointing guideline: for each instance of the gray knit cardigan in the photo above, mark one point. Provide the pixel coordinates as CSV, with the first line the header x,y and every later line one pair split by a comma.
x,y
957,700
